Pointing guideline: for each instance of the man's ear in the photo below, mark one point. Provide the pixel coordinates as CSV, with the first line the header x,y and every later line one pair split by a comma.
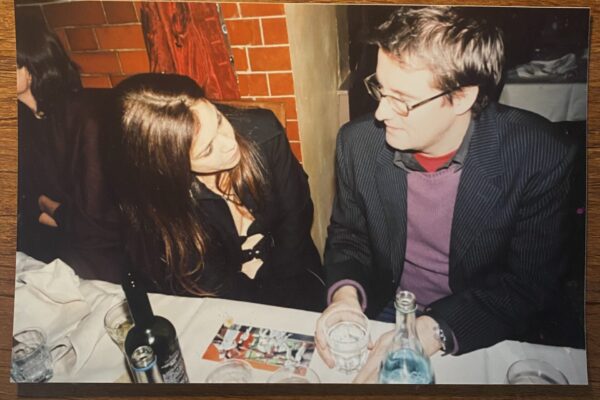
x,y
464,98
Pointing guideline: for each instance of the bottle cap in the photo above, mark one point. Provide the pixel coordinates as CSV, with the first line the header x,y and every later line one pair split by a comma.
x,y
405,302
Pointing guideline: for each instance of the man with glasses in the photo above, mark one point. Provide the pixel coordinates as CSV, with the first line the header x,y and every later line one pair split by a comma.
x,y
445,193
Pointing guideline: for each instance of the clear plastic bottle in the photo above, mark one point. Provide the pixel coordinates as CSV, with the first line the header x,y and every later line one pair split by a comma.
x,y
405,360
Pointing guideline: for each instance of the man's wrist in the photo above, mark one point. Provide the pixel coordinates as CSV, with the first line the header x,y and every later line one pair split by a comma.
x,y
346,294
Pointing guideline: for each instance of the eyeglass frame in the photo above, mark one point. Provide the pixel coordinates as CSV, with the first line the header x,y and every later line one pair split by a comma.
x,y
377,95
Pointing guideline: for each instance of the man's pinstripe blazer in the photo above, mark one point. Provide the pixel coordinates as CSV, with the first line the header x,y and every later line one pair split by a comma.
x,y
509,229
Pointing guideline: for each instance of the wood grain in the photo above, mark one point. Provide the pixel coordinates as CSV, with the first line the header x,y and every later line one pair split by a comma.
x,y
8,167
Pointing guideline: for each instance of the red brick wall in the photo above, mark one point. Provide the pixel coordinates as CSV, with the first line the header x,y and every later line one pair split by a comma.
x,y
261,52
105,38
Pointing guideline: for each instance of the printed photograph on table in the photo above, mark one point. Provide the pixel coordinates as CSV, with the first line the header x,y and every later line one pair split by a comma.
x,y
300,193
262,348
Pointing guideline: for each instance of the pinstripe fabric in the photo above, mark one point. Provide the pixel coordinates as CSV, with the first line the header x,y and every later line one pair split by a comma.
x,y
508,232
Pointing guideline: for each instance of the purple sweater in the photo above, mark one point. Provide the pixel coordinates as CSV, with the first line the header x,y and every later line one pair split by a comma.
x,y
430,208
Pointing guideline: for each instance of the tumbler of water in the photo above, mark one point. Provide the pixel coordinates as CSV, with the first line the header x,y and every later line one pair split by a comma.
x,y
31,358
118,322
348,337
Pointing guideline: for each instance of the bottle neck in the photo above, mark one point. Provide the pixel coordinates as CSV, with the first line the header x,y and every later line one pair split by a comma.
x,y
139,304
405,324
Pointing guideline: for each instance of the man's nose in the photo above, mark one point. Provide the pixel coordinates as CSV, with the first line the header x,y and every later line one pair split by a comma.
x,y
384,110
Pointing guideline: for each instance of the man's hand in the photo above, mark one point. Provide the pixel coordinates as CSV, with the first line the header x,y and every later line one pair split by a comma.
x,y
345,298
47,207
425,332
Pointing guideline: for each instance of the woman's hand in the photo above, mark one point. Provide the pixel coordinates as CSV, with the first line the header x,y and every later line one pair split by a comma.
x,y
47,207
345,298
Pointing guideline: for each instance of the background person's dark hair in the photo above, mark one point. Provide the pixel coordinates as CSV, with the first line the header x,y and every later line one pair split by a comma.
x,y
53,73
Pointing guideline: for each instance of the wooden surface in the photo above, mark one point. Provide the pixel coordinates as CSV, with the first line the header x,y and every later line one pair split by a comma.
x,y
8,179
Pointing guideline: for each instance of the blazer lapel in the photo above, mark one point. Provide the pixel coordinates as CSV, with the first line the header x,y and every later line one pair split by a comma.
x,y
391,185
478,189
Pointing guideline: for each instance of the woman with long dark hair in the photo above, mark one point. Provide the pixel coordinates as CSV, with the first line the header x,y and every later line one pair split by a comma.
x,y
65,209
215,204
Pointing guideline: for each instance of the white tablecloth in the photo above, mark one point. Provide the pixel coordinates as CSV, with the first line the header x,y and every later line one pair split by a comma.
x,y
555,101
198,320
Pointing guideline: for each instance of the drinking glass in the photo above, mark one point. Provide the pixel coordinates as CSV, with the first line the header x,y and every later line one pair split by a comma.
x,y
118,322
534,372
231,371
347,336
31,358
294,374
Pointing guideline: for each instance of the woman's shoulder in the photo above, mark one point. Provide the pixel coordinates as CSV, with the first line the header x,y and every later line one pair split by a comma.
x,y
257,124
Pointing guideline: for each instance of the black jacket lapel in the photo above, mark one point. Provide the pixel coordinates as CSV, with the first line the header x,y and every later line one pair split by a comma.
x,y
478,190
391,185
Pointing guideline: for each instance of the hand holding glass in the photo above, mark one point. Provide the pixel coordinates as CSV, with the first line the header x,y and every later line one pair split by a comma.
x,y
347,333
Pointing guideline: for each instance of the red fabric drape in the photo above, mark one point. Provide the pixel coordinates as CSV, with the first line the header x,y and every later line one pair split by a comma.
x,y
186,38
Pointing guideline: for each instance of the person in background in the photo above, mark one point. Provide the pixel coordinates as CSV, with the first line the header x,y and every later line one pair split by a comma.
x,y
214,202
65,208
446,194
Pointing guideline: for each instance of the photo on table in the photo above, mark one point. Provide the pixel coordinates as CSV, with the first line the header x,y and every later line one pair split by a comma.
x,y
300,193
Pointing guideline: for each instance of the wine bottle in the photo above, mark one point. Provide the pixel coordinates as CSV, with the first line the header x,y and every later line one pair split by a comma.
x,y
154,331
405,360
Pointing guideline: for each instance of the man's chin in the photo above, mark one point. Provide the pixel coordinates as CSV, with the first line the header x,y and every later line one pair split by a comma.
x,y
397,144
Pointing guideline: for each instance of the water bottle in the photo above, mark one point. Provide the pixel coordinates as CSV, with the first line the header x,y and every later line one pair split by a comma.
x,y
405,360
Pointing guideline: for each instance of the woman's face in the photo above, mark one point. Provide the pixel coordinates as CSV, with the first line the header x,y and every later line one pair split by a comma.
x,y
214,147
23,81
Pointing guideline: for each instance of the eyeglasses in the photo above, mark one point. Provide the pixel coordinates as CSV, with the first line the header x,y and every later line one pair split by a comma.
x,y
399,106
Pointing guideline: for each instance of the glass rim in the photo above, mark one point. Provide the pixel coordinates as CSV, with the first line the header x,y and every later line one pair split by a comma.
x,y
536,364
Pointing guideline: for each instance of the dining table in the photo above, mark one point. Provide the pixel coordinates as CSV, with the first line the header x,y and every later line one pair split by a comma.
x,y
71,311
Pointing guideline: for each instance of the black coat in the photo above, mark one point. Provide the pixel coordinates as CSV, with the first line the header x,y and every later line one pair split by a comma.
x,y
291,274
508,234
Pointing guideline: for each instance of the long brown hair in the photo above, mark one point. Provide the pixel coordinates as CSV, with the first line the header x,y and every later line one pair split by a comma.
x,y
151,160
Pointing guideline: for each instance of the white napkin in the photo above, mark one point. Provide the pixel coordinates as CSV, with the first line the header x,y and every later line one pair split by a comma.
x,y
52,298
538,68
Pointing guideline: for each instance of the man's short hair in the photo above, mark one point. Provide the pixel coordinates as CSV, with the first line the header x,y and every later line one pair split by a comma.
x,y
459,50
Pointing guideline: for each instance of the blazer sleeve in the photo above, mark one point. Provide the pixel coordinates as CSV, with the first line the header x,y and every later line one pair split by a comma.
x,y
294,251
503,305
348,256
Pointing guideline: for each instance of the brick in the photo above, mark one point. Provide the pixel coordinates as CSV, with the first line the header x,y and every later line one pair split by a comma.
x,y
229,10
261,9
281,84
290,106
100,81
292,130
133,62
138,9
253,85
81,39
297,150
119,12
121,37
62,36
94,63
240,60
115,79
275,31
244,32
74,14
270,58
